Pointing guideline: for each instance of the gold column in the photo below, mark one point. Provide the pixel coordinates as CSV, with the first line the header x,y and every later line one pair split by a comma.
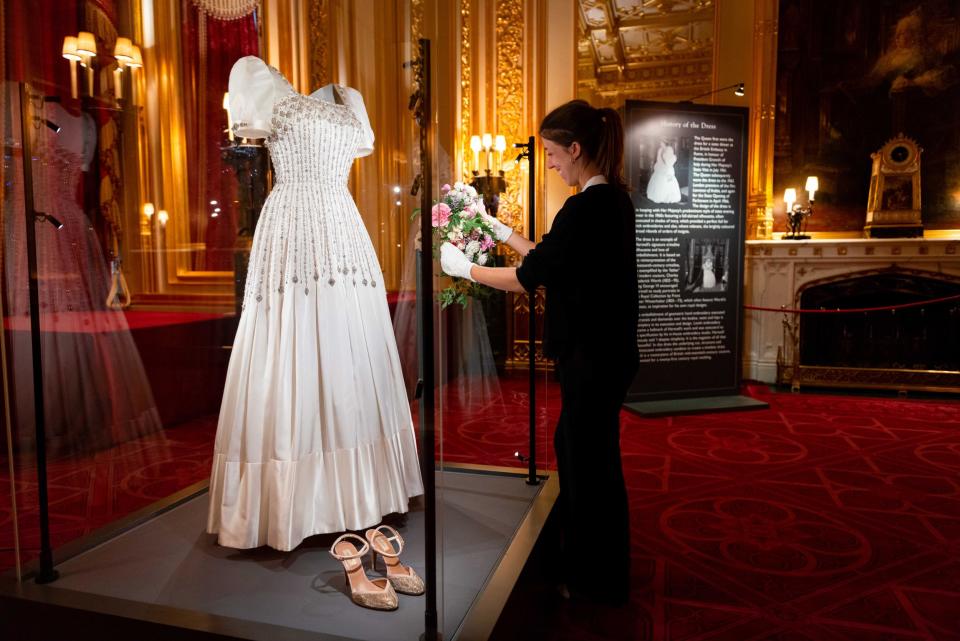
x,y
504,73
512,93
763,109
175,281
286,39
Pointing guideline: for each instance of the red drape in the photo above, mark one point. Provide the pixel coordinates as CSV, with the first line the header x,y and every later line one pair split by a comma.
x,y
34,40
210,47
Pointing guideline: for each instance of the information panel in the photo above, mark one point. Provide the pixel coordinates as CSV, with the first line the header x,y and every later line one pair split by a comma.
x,y
686,165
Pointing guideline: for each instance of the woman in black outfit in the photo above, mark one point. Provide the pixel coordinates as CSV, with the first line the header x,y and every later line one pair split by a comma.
x,y
587,262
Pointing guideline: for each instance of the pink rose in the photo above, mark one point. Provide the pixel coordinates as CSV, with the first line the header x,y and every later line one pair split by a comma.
x,y
487,242
469,212
445,189
441,214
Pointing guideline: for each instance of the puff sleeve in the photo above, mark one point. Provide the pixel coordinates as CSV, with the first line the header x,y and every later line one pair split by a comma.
x,y
251,88
354,100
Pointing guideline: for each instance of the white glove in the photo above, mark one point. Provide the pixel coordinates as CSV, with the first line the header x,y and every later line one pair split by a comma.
x,y
454,262
501,231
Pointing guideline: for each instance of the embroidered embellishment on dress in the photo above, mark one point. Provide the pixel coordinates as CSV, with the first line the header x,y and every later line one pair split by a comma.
x,y
310,224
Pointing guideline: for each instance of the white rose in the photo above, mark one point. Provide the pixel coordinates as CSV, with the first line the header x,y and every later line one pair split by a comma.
x,y
473,248
482,258
471,191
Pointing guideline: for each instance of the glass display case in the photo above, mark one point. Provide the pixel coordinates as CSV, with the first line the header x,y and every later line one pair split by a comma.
x,y
131,201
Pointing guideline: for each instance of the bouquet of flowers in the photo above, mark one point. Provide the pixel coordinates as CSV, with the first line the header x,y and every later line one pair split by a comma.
x,y
458,219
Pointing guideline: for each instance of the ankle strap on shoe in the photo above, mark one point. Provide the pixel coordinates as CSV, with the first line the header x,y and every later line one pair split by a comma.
x,y
391,535
348,537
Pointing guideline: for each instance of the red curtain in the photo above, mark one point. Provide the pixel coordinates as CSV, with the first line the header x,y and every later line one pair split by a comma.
x,y
34,32
210,47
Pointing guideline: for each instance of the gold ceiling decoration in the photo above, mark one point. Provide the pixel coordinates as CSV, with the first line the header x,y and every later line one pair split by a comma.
x,y
645,44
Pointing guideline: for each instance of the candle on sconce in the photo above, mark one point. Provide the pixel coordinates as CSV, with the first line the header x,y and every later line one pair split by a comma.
x,y
122,51
69,52
476,146
813,184
500,145
136,62
226,107
789,197
163,217
148,210
87,49
487,143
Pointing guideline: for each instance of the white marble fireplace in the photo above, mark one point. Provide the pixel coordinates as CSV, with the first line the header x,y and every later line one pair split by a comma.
x,y
776,270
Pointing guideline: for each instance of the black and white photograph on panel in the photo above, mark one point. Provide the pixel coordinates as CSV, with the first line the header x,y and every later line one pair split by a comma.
x,y
661,175
704,265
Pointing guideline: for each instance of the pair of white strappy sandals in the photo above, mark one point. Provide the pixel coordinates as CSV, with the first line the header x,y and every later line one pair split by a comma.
x,y
378,593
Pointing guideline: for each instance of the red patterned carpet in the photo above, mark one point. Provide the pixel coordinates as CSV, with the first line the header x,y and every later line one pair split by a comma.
x,y
822,518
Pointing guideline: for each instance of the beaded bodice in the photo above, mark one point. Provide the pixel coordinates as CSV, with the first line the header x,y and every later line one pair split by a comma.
x,y
313,140
310,232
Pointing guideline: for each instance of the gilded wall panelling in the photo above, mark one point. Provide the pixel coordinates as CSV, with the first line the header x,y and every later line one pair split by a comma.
x,y
166,142
762,125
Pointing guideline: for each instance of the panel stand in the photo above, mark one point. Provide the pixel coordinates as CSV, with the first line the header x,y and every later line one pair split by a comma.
x,y
529,152
45,573
678,406
420,103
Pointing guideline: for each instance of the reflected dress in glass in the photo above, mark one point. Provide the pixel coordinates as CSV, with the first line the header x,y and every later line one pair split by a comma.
x,y
96,392
315,433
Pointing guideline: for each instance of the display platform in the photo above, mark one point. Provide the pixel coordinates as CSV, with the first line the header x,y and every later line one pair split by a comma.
x,y
167,579
679,406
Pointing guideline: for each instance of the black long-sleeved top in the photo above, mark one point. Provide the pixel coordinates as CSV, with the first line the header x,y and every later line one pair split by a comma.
x,y
588,264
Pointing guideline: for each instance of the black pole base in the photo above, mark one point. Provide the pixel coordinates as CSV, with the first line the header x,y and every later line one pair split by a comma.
x,y
533,481
46,576
431,633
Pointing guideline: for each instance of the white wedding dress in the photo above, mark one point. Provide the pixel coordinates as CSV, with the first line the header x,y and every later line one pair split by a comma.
x,y
315,433
663,186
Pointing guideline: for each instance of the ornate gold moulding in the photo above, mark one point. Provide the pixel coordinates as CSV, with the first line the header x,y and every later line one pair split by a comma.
x,y
867,378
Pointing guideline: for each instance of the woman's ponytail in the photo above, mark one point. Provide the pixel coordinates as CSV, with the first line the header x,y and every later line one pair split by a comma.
x,y
609,156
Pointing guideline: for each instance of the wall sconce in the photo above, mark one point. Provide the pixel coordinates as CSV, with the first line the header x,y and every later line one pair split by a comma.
x,y
148,211
163,217
488,144
82,48
489,184
70,53
796,213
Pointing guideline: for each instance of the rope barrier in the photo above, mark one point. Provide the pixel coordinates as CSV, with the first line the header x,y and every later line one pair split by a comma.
x,y
857,310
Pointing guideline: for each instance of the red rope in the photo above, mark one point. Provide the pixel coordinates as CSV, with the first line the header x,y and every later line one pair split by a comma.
x,y
852,311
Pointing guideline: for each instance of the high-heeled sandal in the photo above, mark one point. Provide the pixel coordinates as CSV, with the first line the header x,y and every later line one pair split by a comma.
x,y
377,594
403,578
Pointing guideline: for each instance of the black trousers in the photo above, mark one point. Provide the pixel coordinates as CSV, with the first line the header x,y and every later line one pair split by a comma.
x,y
594,514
